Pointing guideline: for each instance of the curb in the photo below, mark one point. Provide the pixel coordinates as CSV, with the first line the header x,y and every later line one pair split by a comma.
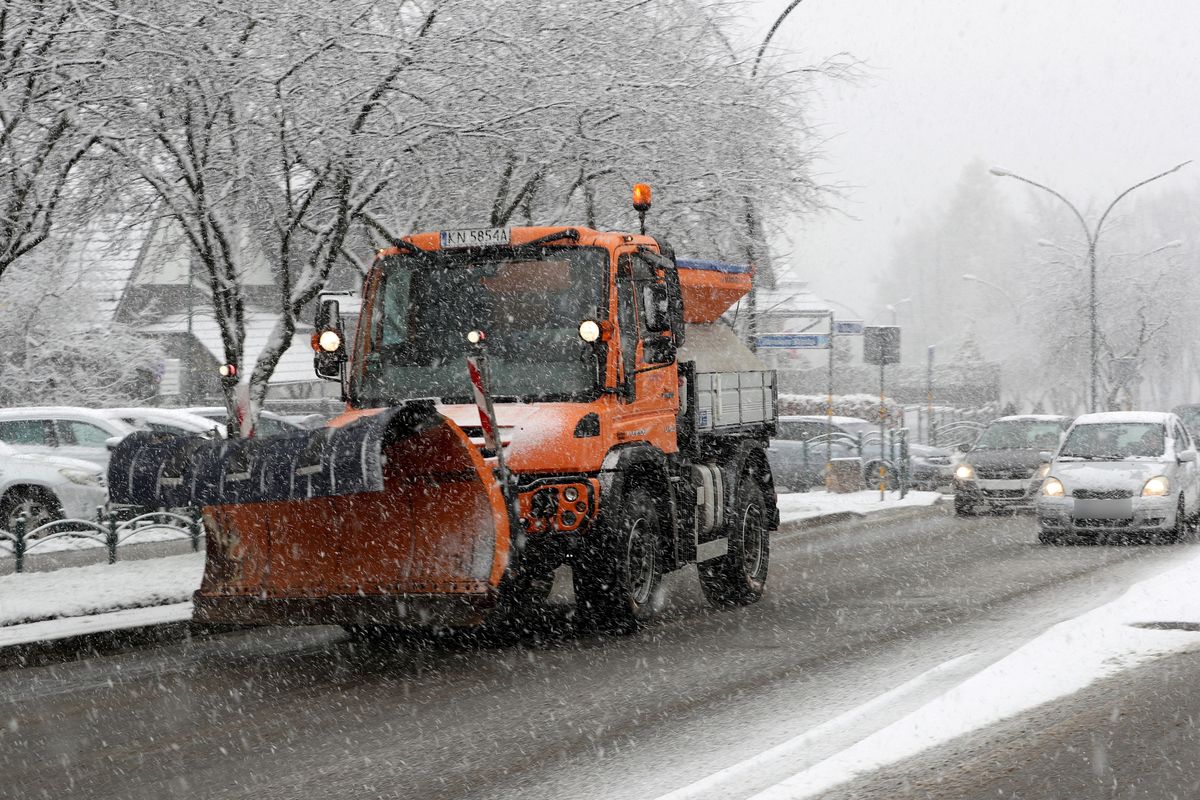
x,y
825,520
100,634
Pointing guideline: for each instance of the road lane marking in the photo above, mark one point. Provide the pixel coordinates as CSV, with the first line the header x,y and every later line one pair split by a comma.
x,y
797,745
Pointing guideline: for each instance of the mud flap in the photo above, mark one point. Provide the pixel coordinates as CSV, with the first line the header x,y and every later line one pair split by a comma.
x,y
165,470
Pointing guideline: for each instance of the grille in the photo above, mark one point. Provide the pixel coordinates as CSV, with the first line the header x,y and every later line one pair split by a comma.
x,y
1108,494
1095,524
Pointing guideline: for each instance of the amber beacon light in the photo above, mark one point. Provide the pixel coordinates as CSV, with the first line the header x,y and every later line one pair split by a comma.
x,y
641,202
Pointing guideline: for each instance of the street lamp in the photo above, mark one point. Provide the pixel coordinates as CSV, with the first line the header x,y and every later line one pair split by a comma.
x,y
1092,235
752,222
976,279
892,308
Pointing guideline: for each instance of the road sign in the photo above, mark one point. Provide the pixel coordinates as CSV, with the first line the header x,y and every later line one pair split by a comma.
x,y
795,341
881,344
848,327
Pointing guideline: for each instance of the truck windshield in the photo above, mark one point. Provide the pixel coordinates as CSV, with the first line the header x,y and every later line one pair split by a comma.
x,y
528,303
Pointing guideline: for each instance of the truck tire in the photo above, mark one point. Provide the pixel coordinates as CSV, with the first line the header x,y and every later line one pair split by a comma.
x,y
739,577
617,580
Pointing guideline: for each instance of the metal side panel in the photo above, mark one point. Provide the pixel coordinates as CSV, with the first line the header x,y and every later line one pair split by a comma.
x,y
732,399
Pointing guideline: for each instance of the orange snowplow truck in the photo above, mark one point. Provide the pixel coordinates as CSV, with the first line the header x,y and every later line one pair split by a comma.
x,y
517,399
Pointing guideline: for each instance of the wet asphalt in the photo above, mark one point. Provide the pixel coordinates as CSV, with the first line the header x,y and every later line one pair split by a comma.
x,y
544,711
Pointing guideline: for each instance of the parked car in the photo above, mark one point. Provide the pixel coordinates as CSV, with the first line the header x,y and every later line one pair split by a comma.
x,y
803,443
166,420
1003,468
1120,473
269,423
65,431
46,488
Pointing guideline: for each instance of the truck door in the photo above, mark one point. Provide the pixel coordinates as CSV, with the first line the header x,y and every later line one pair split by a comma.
x,y
650,383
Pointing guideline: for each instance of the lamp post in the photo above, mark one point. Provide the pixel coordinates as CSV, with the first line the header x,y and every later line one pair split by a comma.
x,y
892,308
1008,297
1092,235
751,215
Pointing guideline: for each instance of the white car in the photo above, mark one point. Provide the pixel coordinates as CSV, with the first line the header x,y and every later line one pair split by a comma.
x,y
1120,473
166,420
66,431
46,488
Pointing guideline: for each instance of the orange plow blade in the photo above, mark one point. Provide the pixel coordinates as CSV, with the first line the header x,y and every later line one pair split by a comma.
x,y
419,537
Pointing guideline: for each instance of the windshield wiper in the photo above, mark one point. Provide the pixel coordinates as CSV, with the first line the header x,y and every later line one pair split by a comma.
x,y
1091,458
566,233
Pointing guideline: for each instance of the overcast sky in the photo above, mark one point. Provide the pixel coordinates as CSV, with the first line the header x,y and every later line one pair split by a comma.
x,y
1086,97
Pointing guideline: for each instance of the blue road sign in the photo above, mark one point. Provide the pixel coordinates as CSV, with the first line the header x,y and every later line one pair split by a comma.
x,y
795,341
848,327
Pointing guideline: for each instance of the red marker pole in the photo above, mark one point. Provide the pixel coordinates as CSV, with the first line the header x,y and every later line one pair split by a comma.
x,y
477,367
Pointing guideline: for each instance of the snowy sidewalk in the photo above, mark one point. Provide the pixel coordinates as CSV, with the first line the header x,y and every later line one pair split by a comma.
x,y
40,606
800,506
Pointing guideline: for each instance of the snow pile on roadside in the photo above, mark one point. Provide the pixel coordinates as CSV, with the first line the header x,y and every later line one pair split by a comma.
x,y
76,591
1060,662
806,505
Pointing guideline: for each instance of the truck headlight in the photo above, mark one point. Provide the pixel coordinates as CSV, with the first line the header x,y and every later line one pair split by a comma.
x,y
1158,486
1053,488
964,472
82,476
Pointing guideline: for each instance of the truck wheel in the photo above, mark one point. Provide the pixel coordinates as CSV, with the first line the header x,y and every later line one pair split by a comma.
x,y
616,585
739,577
38,505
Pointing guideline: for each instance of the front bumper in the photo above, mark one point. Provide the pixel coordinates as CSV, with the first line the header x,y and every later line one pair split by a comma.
x,y
930,475
1012,493
1089,517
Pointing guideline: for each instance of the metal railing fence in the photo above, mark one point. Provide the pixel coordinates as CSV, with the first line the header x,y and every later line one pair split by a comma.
x,y
107,529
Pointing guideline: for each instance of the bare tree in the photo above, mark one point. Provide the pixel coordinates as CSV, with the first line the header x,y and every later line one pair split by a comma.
x,y
51,60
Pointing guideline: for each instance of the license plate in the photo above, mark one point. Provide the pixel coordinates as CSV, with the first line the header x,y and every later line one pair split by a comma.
x,y
476,237
1104,509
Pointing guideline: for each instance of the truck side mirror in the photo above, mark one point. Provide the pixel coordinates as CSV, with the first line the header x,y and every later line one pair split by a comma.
x,y
328,342
656,308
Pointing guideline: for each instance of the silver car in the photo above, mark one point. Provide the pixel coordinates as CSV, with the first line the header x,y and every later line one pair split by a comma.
x,y
1118,474
46,488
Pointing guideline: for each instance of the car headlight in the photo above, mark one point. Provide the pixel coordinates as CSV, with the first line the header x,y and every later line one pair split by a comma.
x,y
1158,486
1042,471
964,472
82,476
1053,488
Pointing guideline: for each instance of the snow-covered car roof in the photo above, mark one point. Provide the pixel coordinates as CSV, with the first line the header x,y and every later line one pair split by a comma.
x,y
1110,417
64,412
165,416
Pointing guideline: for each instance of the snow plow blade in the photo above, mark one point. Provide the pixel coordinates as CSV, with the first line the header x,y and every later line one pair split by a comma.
x,y
392,519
